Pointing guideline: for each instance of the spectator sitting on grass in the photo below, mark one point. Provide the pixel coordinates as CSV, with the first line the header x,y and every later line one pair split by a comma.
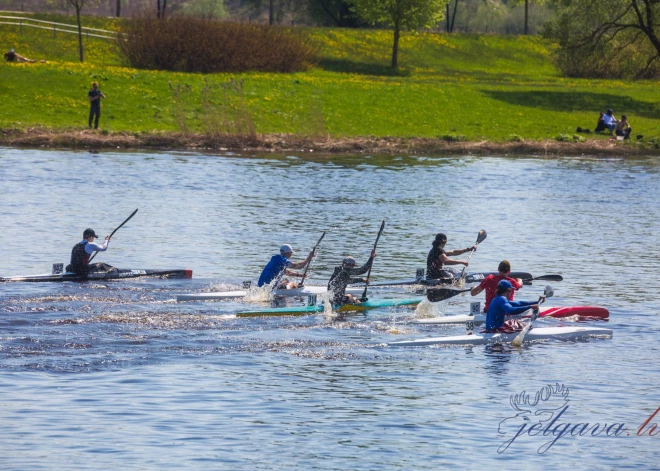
x,y
623,127
13,56
609,121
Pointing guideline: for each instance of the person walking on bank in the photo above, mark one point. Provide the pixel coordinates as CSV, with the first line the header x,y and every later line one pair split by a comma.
x,y
95,96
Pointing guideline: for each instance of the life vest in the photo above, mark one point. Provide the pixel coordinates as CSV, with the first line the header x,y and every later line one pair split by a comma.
x,y
79,258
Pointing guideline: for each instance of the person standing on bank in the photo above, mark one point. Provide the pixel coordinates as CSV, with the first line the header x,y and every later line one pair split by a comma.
x,y
95,96
83,251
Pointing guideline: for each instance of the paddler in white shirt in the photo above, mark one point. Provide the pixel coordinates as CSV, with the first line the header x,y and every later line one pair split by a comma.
x,y
83,251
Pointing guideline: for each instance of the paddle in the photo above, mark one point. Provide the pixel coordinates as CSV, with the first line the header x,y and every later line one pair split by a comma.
x,y
113,232
528,281
480,238
440,294
517,342
302,281
364,294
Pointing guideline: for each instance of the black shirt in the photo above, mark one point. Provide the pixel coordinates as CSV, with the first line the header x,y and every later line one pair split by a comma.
x,y
95,93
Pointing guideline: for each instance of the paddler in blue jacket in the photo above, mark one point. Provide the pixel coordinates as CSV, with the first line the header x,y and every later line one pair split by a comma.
x,y
501,307
279,266
83,251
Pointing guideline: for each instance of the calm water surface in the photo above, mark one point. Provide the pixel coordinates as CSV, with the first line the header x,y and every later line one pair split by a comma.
x,y
117,375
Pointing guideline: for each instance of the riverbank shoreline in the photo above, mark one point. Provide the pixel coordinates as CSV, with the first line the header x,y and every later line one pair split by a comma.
x,y
283,143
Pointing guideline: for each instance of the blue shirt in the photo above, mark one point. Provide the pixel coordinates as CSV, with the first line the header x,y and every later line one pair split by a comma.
x,y
273,269
501,307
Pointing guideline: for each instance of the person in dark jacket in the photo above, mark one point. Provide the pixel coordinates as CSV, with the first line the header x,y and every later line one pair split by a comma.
x,y
343,276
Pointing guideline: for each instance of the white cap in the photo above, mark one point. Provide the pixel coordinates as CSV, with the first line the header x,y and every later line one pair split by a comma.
x,y
286,248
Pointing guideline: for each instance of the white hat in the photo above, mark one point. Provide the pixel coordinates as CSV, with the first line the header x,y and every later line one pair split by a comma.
x,y
286,248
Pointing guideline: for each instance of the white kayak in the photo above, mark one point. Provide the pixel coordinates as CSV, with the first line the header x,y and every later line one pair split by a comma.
x,y
579,312
304,291
536,333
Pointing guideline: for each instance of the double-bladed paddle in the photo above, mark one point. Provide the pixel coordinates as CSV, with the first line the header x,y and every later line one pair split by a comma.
x,y
113,232
364,294
528,281
480,238
517,342
302,281
440,294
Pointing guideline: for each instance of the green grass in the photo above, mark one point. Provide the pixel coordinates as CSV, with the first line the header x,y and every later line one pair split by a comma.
x,y
480,87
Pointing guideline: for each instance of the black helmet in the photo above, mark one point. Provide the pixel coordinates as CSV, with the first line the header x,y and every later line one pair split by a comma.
x,y
89,233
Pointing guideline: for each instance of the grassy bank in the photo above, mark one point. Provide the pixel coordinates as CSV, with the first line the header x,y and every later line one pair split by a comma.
x,y
470,87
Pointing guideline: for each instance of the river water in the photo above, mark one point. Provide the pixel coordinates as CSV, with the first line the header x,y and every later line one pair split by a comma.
x,y
117,375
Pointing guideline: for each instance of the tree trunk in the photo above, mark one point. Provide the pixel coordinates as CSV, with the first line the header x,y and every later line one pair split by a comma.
x,y
526,17
453,16
164,8
447,15
80,43
158,8
271,11
395,46
118,8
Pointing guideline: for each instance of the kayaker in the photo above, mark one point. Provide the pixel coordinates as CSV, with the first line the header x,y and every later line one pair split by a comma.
x,y
502,307
82,252
279,265
342,277
490,283
439,257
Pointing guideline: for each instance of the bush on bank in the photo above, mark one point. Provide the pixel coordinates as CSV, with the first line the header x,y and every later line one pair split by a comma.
x,y
189,44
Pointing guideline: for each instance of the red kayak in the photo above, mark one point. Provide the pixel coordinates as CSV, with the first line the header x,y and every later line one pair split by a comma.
x,y
583,312
579,313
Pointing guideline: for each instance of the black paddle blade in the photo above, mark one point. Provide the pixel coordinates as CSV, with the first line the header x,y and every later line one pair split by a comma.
x,y
550,278
440,294
482,236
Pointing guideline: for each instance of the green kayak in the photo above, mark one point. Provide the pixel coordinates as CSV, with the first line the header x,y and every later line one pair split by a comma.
x,y
305,310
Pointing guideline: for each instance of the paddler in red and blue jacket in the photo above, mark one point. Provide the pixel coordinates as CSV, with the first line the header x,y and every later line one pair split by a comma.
x,y
502,307
279,266
491,281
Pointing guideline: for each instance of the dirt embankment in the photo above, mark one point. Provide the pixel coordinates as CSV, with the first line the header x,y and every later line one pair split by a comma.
x,y
88,139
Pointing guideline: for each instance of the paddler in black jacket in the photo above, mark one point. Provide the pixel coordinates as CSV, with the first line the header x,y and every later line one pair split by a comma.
x,y
439,257
342,277
83,251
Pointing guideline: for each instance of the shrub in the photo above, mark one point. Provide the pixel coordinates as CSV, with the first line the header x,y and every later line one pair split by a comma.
x,y
188,44
569,138
452,137
515,138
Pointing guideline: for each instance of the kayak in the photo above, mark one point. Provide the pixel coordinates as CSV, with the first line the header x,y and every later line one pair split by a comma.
x,y
475,277
315,309
582,312
537,333
304,291
116,274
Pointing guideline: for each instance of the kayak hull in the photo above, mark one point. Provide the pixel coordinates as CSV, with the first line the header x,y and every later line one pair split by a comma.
x,y
534,334
306,310
581,312
118,274
304,291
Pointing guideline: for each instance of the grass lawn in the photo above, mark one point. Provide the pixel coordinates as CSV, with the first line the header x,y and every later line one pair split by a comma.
x,y
480,87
